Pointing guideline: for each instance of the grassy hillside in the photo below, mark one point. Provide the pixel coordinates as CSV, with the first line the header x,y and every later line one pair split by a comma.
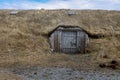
x,y
24,37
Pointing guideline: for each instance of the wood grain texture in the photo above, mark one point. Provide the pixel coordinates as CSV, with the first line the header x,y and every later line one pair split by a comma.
x,y
69,40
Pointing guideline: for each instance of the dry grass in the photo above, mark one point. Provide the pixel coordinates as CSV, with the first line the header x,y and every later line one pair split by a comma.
x,y
23,59
24,40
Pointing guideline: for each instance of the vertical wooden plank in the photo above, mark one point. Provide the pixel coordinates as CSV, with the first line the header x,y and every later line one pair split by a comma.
x,y
52,41
60,42
78,41
81,42
84,43
87,40
56,43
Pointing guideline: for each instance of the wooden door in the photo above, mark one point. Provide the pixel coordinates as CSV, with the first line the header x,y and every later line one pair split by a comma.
x,y
81,41
69,41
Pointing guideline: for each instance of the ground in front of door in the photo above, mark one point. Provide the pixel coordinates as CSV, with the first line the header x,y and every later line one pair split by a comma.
x,y
37,73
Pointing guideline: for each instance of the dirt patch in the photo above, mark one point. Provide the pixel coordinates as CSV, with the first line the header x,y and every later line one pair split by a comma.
x,y
37,73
